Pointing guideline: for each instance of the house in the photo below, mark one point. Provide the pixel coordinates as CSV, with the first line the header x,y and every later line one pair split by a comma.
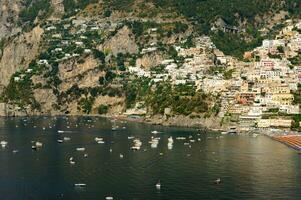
x,y
17,79
266,123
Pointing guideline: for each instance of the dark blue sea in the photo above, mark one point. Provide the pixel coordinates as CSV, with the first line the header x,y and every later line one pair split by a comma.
x,y
249,168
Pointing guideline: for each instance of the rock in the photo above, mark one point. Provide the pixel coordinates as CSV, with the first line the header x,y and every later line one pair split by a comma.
x,y
122,42
19,53
150,60
9,11
46,98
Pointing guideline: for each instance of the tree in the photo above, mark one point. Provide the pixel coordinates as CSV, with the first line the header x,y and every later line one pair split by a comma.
x,y
103,109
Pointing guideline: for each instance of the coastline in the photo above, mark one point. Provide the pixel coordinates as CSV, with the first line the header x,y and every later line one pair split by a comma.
x,y
211,124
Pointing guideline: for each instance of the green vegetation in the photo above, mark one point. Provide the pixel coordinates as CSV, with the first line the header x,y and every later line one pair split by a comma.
x,y
296,60
71,5
232,44
103,109
182,99
20,93
33,9
86,104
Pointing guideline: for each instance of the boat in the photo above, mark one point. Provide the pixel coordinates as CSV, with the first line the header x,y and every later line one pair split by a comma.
x,y
66,139
33,147
15,151
109,198
60,141
120,155
158,185
232,131
155,132
80,185
98,139
80,149
181,138
131,137
3,143
85,155
218,181
170,143
39,144
224,132
137,144
59,131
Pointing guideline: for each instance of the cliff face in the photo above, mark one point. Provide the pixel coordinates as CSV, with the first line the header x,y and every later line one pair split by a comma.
x,y
9,11
18,53
122,42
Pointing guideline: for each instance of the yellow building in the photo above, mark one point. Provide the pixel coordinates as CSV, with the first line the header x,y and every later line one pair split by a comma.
x,y
282,99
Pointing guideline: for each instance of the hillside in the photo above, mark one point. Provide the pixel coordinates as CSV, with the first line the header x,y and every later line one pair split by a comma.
x,y
119,56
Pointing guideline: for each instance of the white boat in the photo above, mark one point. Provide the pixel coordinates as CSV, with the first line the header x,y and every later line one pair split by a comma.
x,y
109,198
181,138
60,141
98,139
155,132
158,185
100,142
137,144
224,132
80,185
59,131
15,151
120,155
80,149
170,143
170,140
217,181
85,155
3,143
66,139
39,144
130,137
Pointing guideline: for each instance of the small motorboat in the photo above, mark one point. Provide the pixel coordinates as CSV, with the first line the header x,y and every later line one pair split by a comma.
x,y
34,147
181,138
109,198
155,132
80,149
66,139
85,155
80,185
97,139
60,141
218,181
121,156
15,151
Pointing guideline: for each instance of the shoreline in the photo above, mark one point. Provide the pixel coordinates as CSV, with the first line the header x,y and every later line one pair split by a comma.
x,y
209,124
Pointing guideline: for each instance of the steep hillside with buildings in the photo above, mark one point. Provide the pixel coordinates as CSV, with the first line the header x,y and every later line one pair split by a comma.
x,y
154,60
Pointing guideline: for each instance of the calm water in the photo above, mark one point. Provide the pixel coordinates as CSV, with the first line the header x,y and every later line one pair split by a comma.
x,y
250,168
